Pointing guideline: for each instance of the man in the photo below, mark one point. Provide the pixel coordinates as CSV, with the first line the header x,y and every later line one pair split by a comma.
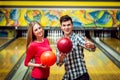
x,y
75,68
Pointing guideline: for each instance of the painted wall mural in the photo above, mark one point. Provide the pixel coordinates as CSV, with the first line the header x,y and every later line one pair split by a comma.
x,y
50,17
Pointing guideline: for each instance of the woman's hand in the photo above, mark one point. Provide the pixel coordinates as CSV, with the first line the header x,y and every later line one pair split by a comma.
x,y
43,66
37,65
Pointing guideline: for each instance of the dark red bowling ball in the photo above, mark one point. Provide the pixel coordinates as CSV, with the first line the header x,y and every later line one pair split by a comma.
x,y
48,58
64,45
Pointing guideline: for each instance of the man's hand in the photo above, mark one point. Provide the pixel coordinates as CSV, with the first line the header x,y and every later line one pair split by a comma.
x,y
89,44
62,56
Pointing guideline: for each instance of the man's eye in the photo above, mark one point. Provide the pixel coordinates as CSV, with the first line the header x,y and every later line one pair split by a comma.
x,y
64,25
68,25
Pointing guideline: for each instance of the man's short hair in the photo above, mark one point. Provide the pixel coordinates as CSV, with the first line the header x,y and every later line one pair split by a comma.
x,y
65,18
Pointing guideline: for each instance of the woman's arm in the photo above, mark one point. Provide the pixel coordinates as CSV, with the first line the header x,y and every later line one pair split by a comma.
x,y
31,64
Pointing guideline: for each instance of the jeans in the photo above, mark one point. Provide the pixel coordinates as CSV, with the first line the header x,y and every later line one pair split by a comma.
x,y
31,78
85,76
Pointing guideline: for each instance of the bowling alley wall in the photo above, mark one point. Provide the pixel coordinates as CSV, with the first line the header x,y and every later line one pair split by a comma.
x,y
85,14
48,17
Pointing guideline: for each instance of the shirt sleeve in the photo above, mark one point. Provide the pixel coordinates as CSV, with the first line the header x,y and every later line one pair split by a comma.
x,y
81,40
29,54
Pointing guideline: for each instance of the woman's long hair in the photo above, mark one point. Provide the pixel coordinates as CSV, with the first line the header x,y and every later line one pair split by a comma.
x,y
30,35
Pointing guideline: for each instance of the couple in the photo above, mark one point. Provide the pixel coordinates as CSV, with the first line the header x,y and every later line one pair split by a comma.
x,y
75,68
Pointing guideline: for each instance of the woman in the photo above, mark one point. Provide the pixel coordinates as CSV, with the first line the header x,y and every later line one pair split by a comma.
x,y
36,45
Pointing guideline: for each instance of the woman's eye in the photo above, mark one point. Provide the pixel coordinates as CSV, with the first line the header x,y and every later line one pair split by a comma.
x,y
35,29
39,27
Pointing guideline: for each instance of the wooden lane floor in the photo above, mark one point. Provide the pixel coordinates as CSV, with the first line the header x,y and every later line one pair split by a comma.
x,y
56,73
10,55
113,43
99,66
3,40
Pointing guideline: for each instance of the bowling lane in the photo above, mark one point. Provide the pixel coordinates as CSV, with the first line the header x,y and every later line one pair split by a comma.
x,y
56,73
10,55
3,40
99,66
113,43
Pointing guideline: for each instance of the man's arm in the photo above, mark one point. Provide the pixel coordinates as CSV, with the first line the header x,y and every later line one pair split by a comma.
x,y
90,45
60,58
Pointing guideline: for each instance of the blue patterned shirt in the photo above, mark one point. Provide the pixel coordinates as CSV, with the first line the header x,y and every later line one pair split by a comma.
x,y
74,61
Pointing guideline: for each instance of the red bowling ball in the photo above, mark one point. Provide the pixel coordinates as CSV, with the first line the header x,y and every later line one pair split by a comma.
x,y
64,45
48,58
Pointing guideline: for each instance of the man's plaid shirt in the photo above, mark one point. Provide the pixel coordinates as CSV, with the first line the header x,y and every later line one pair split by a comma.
x,y
74,61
